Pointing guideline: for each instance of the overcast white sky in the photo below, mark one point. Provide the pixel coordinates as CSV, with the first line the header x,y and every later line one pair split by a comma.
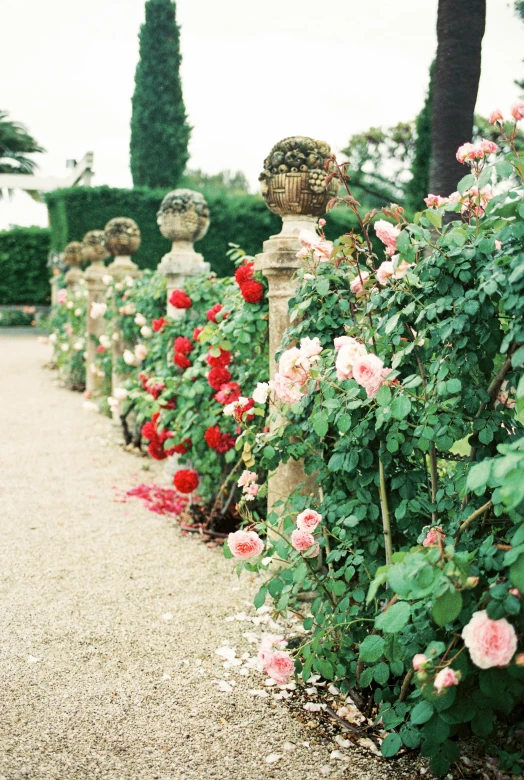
x,y
254,71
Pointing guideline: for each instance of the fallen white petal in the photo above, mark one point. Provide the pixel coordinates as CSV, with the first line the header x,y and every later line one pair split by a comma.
x,y
263,694
167,616
166,677
312,707
288,746
32,660
338,755
224,686
345,743
334,690
273,758
226,652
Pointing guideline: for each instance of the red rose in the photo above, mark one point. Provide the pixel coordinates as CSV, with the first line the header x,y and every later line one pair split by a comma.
x,y
183,345
224,359
180,300
171,404
244,273
186,480
155,389
240,411
148,431
181,448
100,349
196,333
211,313
252,292
158,325
180,360
228,393
221,442
156,450
218,376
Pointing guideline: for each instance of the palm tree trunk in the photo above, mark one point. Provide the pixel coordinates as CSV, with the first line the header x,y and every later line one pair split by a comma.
x,y
460,27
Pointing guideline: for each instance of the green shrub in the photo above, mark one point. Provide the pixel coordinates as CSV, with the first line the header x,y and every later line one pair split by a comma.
x,y
24,277
242,218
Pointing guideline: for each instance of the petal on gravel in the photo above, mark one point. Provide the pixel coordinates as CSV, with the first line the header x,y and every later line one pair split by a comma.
x,y
167,616
224,686
273,758
313,707
255,692
288,746
226,652
338,755
32,660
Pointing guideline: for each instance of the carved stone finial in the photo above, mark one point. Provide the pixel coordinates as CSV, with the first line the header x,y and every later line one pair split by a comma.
x,y
122,236
72,254
183,216
293,179
94,248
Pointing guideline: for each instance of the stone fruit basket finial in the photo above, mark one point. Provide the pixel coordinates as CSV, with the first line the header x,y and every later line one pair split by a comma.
x,y
122,236
183,216
94,248
293,179
72,254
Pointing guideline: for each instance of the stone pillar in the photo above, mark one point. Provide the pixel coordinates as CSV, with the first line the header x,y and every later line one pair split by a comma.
x,y
73,258
292,184
95,252
122,237
183,218
54,290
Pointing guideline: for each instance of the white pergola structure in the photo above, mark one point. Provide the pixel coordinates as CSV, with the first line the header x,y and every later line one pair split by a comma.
x,y
81,175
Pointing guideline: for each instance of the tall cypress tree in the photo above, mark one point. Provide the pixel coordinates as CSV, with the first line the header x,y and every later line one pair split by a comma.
x,y
159,129
417,187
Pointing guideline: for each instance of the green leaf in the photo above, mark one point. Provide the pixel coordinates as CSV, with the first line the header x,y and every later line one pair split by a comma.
x,y
422,712
300,573
518,358
260,598
453,386
372,648
227,551
465,183
324,668
479,475
381,673
434,218
336,461
391,745
410,736
322,285
516,573
393,619
320,424
403,241
439,765
447,607
400,407
383,397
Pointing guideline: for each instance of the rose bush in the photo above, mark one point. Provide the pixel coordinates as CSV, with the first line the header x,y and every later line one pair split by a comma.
x,y
67,327
417,559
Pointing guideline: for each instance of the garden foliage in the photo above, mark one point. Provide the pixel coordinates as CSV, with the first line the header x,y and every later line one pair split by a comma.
x,y
67,325
24,277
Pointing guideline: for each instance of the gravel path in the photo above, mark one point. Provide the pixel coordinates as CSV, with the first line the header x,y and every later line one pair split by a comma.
x,y
87,585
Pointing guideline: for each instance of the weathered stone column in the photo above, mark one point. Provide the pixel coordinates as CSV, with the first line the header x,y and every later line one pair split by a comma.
x,y
73,258
94,251
292,184
122,237
183,218
54,289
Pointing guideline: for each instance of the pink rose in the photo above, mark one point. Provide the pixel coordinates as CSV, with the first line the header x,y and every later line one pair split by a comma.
x,y
488,147
287,391
313,243
251,491
490,642
402,268
267,648
367,370
469,152
498,245
373,387
294,365
517,112
387,233
496,116
445,679
419,662
302,540
433,536
281,667
454,197
349,350
246,477
245,544
310,347
308,520
384,271
321,222
357,285
435,201
340,341
515,592
61,296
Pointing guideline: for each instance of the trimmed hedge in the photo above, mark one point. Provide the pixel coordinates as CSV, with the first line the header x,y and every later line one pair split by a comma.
x,y
24,276
242,218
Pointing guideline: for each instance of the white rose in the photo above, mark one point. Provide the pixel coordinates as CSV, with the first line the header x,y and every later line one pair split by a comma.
x,y
140,319
121,393
146,332
260,393
129,357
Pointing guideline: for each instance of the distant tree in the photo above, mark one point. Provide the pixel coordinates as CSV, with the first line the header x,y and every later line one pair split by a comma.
x,y
15,144
456,80
159,129
519,8
418,186
225,181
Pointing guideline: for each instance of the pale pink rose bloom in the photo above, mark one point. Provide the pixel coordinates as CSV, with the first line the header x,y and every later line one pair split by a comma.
x,y
419,661
267,648
245,544
308,520
308,277
310,347
402,269
384,272
433,536
98,310
445,679
68,328
121,393
250,491
140,320
490,642
435,201
313,551
281,667
517,111
129,357
311,242
498,245
357,285
286,390
61,296
308,238
387,232
260,392
373,387
293,365
302,253
496,116
321,222
515,592
367,369
140,352
302,540
341,341
488,147
348,353
246,477
454,197
463,152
